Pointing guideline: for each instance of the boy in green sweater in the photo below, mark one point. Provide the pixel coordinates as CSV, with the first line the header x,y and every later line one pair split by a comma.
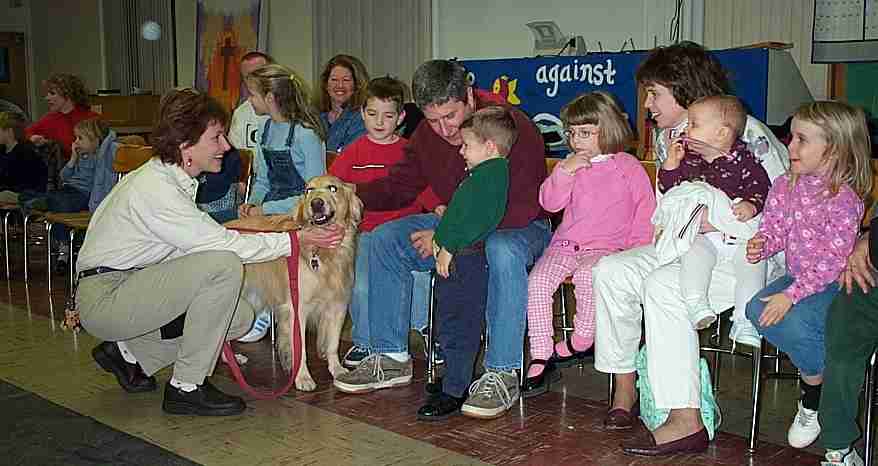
x,y
475,210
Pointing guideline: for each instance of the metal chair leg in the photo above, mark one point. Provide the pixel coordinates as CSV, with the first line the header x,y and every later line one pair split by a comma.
x,y
870,411
25,222
49,226
612,389
756,407
717,357
431,332
562,290
6,241
271,321
71,236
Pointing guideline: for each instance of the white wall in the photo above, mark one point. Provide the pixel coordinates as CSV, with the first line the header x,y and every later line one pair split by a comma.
x,y
742,22
289,36
472,29
64,38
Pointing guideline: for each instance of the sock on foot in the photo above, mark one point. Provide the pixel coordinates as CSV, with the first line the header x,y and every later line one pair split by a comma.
x,y
535,370
127,355
811,396
185,386
579,343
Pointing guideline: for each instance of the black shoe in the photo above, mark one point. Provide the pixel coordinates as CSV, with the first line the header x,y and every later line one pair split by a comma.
x,y
206,400
538,385
440,407
130,376
575,357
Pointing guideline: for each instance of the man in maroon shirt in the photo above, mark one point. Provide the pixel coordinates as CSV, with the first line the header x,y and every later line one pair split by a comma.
x,y
432,160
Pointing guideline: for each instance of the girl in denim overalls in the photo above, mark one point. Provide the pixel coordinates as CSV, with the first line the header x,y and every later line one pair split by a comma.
x,y
291,149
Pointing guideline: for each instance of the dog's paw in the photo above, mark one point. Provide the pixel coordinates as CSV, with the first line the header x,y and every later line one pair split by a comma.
x,y
305,383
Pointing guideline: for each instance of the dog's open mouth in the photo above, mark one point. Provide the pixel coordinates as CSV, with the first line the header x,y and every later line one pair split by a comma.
x,y
322,218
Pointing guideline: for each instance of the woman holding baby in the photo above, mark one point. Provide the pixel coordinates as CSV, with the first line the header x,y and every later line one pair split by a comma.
x,y
675,77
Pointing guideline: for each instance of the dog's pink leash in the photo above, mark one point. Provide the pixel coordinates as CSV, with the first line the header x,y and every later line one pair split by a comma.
x,y
295,336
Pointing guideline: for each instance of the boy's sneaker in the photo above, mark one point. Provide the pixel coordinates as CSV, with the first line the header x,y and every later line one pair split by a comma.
x,y
375,372
355,356
492,395
847,457
805,428
260,327
745,333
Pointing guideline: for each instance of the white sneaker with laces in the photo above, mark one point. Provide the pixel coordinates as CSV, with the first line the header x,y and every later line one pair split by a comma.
x,y
847,457
805,428
492,395
260,327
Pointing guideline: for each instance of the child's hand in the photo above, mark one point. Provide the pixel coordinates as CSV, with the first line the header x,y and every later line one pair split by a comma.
x,y
676,152
744,211
443,262
778,306
440,210
574,162
38,140
754,248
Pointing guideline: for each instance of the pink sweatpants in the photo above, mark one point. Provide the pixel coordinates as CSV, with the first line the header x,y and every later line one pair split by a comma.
x,y
550,271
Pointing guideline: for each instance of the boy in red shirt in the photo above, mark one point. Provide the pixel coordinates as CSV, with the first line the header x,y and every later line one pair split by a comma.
x,y
366,159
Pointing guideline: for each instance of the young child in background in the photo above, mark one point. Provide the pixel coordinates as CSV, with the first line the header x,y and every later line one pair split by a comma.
x,y
475,210
21,168
291,149
366,159
291,152
712,151
813,213
104,175
220,194
608,201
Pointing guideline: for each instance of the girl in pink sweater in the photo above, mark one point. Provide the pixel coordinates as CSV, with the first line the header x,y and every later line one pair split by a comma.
x,y
608,202
813,213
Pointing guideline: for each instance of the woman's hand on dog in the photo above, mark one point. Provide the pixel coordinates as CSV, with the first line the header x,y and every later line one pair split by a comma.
x,y
328,236
249,210
422,241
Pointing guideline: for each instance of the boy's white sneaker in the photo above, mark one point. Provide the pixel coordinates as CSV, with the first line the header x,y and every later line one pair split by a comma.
x,y
805,428
847,457
260,327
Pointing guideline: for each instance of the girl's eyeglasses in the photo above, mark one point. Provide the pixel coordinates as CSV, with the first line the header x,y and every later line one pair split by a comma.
x,y
580,133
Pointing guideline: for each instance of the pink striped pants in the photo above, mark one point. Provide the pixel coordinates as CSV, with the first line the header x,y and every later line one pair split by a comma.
x,y
555,265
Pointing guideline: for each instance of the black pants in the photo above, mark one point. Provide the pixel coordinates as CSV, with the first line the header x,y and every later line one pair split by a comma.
x,y
461,300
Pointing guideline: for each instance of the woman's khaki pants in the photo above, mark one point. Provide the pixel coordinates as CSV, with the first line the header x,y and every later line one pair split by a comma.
x,y
131,306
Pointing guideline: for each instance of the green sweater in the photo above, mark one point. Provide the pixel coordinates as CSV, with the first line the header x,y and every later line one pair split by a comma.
x,y
477,206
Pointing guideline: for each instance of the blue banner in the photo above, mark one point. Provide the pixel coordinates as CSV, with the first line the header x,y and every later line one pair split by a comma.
x,y
541,86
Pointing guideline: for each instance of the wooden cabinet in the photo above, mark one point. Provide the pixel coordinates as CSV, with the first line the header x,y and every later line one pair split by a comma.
x,y
134,114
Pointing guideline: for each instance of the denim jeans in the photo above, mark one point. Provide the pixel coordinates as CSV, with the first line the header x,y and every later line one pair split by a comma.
x,y
360,298
801,333
510,252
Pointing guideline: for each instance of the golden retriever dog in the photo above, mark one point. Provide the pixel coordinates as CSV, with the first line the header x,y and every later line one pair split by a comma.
x,y
326,276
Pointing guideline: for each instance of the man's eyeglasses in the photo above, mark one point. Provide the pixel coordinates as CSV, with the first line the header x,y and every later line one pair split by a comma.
x,y
580,133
